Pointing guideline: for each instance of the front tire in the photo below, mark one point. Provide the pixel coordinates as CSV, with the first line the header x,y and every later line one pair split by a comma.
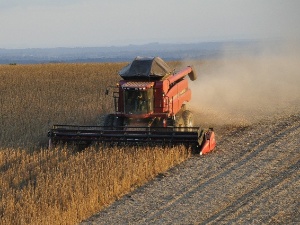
x,y
109,121
188,118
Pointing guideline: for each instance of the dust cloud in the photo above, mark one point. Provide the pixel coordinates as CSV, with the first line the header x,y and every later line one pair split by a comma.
x,y
246,87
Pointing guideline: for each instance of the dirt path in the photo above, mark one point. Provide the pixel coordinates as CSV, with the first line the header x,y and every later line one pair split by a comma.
x,y
253,177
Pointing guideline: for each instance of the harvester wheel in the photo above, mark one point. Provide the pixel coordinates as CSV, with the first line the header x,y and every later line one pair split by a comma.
x,y
188,118
118,122
109,120
179,122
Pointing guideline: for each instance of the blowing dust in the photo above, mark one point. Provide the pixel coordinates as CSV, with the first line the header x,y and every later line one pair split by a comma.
x,y
244,89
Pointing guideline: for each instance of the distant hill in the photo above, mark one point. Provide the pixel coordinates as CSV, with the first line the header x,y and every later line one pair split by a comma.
x,y
122,53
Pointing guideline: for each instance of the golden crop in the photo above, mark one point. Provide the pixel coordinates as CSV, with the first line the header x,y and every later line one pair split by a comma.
x,y
60,186
33,97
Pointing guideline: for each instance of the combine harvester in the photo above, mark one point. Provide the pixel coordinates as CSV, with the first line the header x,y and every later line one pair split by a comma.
x,y
149,108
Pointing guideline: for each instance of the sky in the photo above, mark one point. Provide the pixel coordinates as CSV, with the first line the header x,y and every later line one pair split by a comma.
x,y
97,23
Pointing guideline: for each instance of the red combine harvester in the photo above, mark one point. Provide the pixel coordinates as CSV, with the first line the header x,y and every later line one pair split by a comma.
x,y
149,108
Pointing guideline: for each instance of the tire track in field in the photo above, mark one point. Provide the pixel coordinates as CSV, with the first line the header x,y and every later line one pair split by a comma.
x,y
254,148
271,193
288,185
256,192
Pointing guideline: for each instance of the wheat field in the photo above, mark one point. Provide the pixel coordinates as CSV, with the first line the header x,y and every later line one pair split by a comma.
x,y
33,97
63,186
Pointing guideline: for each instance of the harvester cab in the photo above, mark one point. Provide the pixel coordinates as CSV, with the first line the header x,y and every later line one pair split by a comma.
x,y
138,98
150,107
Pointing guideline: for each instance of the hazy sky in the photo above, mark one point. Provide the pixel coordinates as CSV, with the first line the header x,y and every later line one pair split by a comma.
x,y
81,23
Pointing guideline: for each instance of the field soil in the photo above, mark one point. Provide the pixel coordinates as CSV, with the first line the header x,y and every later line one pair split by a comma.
x,y
252,177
